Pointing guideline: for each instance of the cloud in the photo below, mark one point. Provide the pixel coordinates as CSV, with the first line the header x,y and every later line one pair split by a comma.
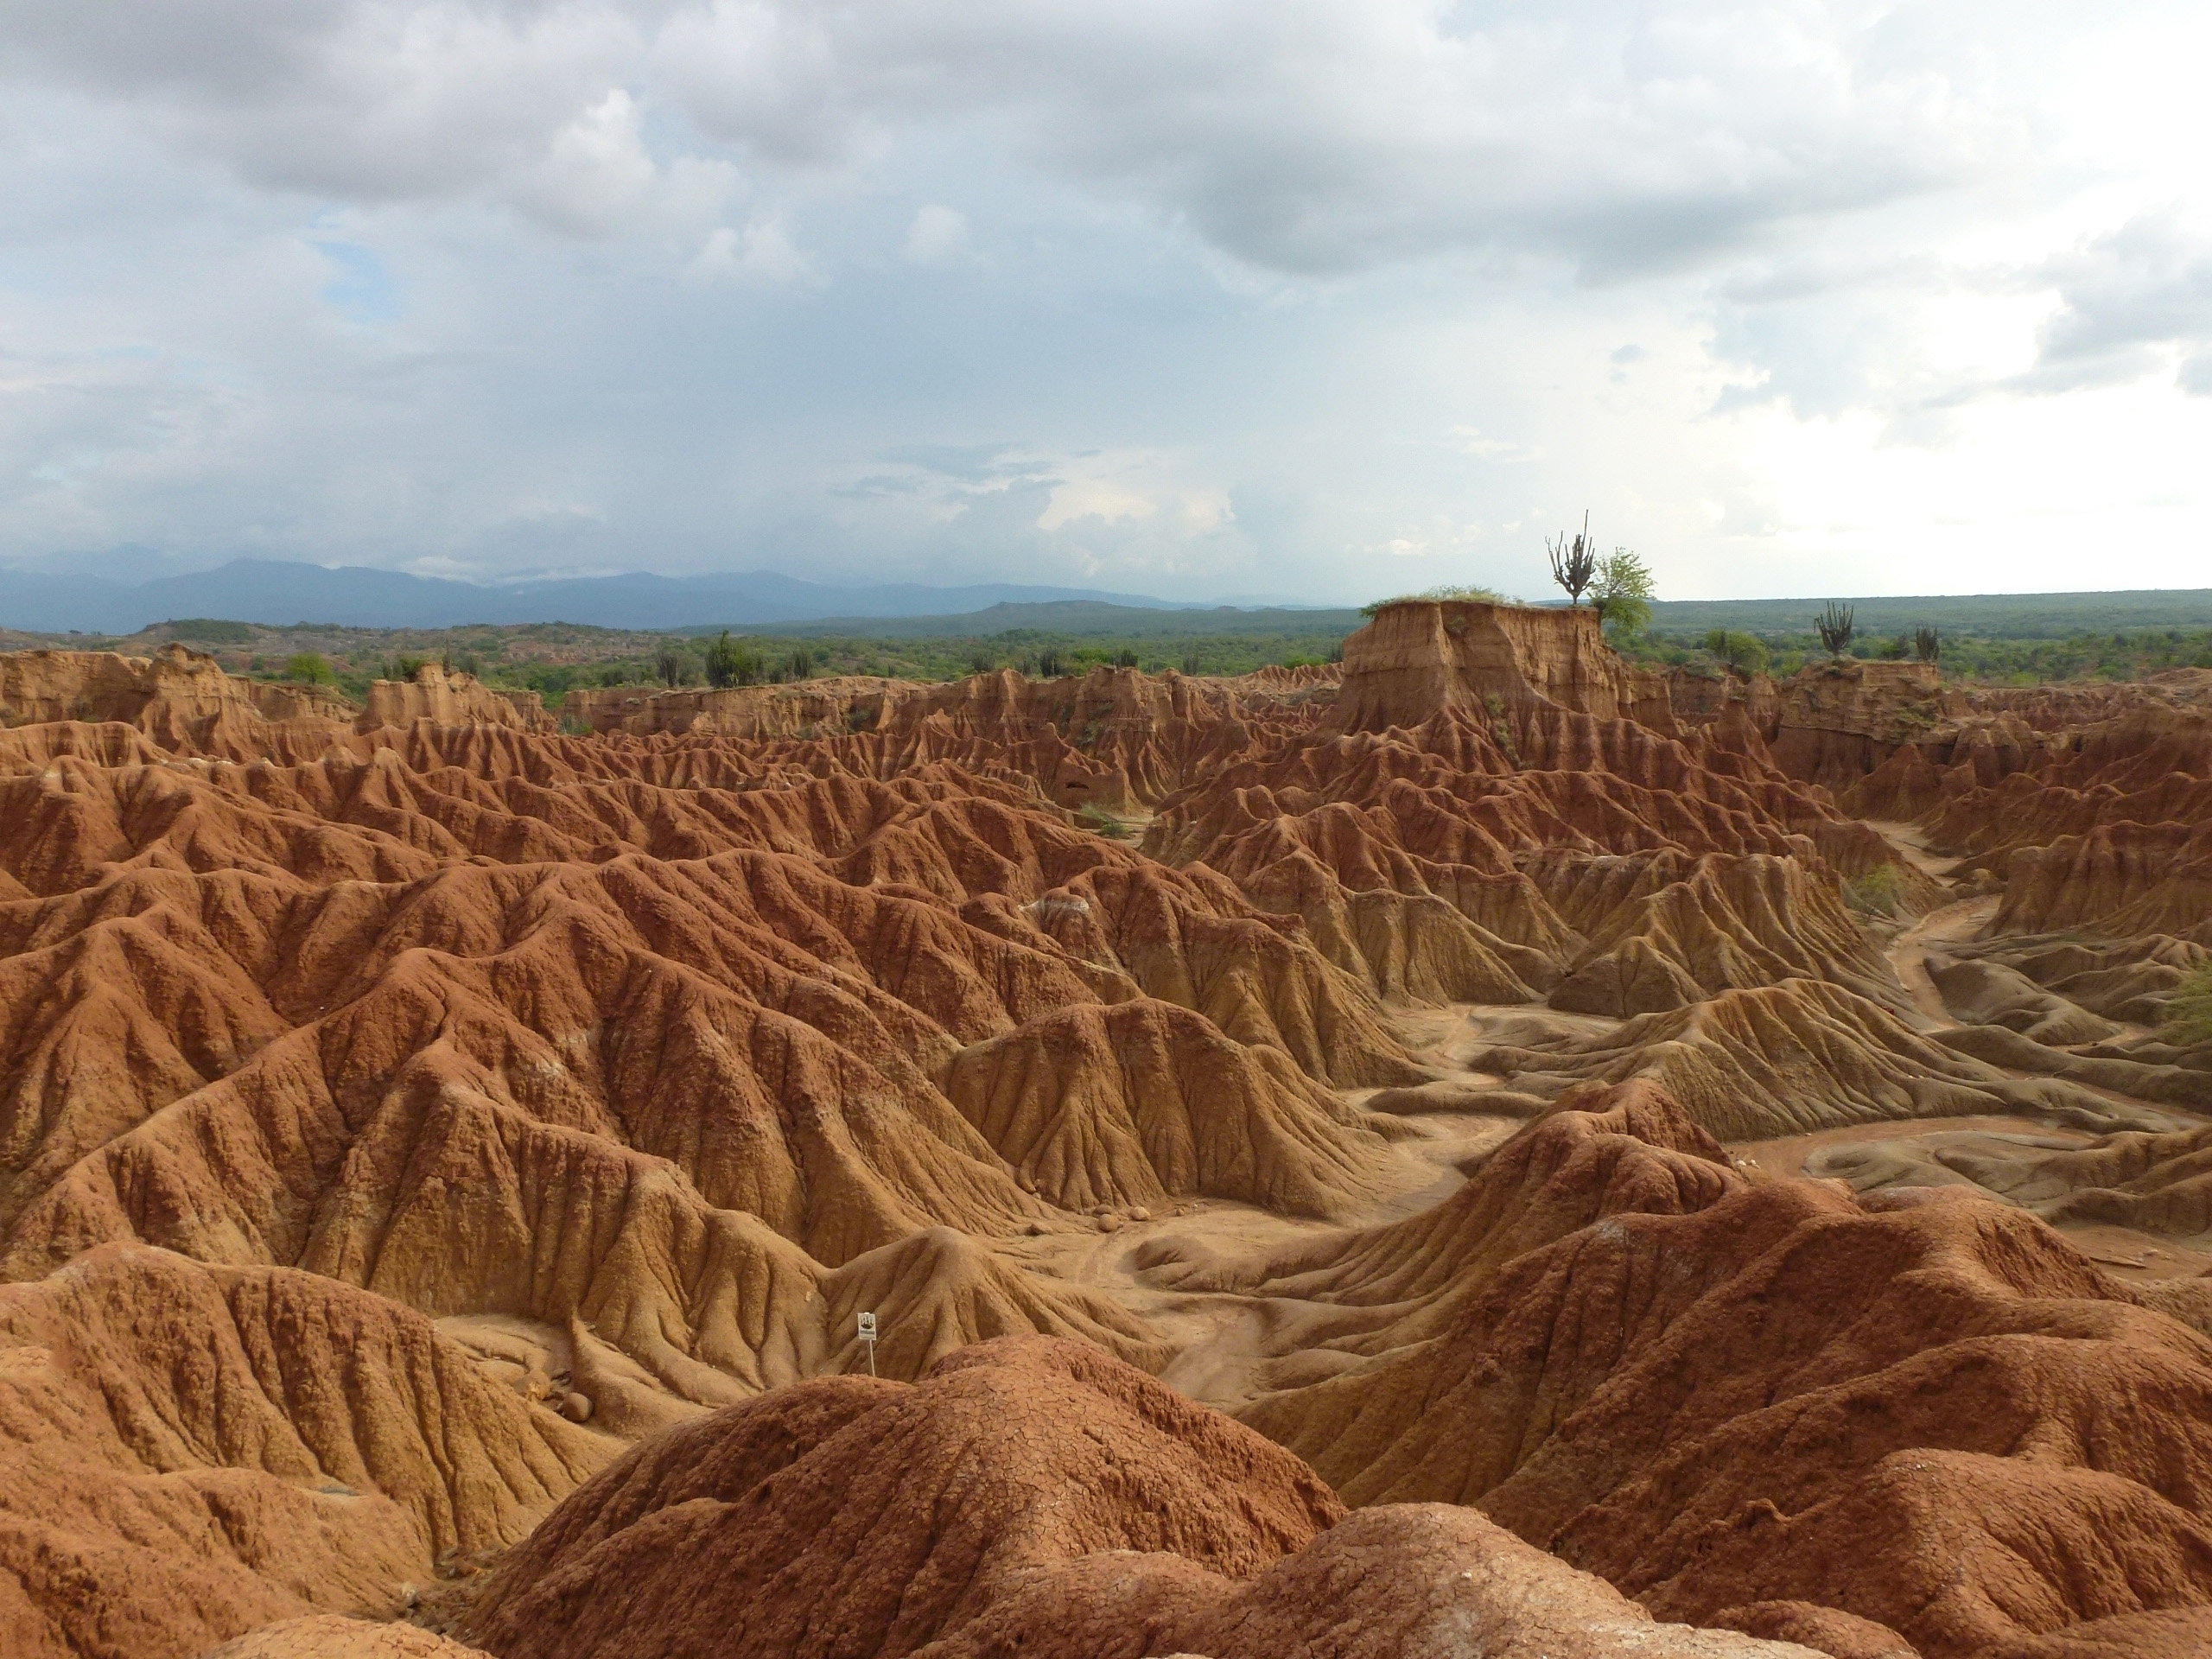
x,y
369,100
1321,137
1307,136
761,250
938,235
1271,287
2129,304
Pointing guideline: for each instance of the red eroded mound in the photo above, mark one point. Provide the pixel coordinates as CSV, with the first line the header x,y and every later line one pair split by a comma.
x,y
1026,1497
644,1063
186,1452
1935,1416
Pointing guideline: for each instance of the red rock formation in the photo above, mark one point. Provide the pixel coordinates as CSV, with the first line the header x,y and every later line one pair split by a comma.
x,y
186,1452
1936,1417
1030,1498
448,698
1420,657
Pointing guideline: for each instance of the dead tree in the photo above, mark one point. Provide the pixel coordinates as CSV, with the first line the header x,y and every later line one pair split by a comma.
x,y
1575,564
1835,623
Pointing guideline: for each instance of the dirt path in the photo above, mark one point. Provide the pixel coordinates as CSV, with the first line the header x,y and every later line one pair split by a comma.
x,y
1162,1268
1907,952
1912,842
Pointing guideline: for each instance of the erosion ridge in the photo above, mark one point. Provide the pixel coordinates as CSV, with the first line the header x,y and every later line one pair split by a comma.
x,y
1427,1085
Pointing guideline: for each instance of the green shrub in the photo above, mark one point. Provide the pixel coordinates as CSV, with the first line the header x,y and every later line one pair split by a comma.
x,y
1446,595
1097,819
1623,594
2188,1019
212,631
1881,891
308,668
729,663
1743,652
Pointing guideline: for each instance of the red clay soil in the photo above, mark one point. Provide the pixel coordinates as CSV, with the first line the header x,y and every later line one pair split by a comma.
x,y
1933,1415
1028,1497
657,1055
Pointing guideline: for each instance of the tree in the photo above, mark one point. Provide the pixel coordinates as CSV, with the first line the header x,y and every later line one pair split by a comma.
x,y
730,664
310,668
1927,643
1624,593
1744,652
1834,623
1575,564
668,666
1049,664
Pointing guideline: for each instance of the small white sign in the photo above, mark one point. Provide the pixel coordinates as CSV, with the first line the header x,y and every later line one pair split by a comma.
x,y
867,1327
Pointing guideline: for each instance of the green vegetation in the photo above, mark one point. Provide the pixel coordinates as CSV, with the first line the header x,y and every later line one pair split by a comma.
x,y
1835,624
1743,653
206,631
2187,1018
1097,819
1881,891
2011,640
1575,564
1446,595
1622,594
731,663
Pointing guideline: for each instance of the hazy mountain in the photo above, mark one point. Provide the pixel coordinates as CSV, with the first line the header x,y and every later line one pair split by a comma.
x,y
277,592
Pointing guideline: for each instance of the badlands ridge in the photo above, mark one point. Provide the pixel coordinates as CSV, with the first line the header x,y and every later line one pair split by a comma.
x,y
1510,1155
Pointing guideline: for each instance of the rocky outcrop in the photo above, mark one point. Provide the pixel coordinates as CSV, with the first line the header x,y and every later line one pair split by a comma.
x,y
805,708
449,698
181,701
1420,657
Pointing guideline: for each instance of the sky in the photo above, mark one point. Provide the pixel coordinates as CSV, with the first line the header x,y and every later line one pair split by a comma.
x,y
1306,300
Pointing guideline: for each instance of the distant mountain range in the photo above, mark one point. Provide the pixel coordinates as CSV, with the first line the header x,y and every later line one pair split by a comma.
x,y
280,593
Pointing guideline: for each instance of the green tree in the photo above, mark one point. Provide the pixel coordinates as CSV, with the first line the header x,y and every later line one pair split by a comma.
x,y
729,663
1743,652
1622,592
310,668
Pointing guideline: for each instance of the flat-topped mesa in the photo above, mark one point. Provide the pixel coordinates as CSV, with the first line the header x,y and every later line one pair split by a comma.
x,y
1420,656
449,698
175,689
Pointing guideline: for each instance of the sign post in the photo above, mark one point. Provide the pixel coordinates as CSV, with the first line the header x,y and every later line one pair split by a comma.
x,y
867,1336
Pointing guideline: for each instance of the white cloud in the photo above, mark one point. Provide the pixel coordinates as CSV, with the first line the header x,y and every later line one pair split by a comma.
x,y
762,249
2131,302
1104,498
595,171
938,235
1767,283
